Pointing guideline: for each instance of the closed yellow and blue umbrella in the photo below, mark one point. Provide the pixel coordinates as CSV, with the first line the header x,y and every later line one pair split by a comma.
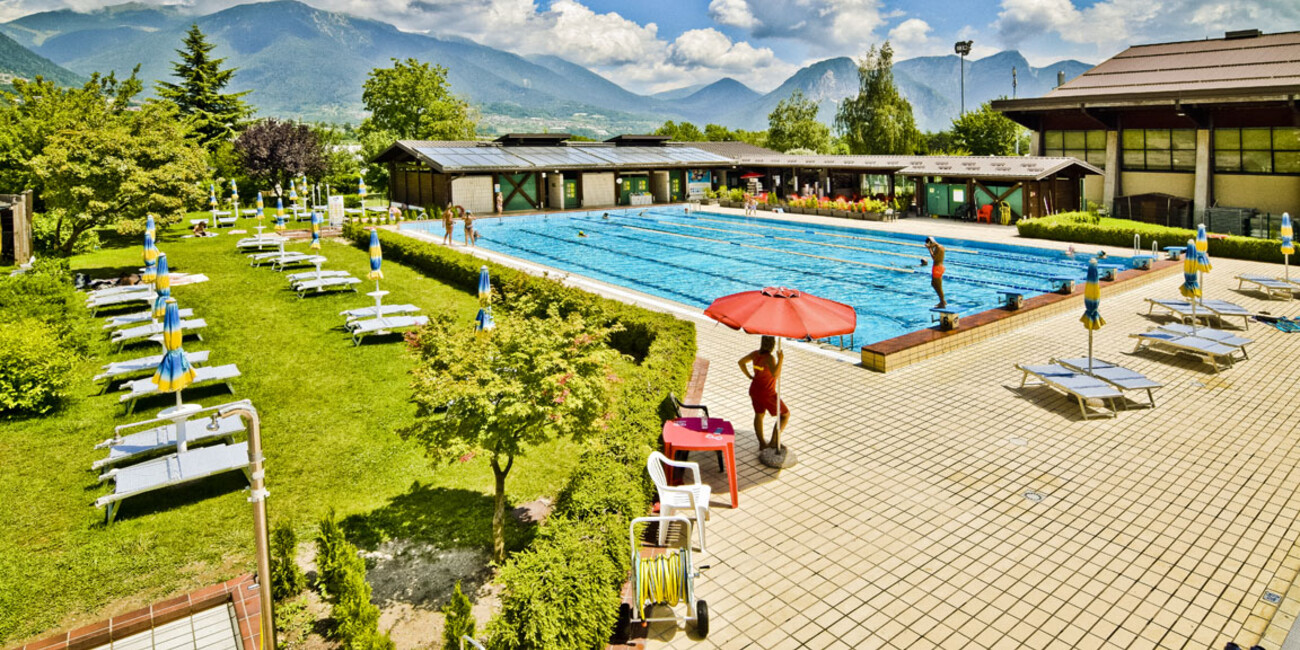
x,y
279,214
150,228
376,258
483,320
293,192
1288,248
212,195
174,371
261,209
1091,318
1191,286
315,230
163,285
1202,250
234,191
150,257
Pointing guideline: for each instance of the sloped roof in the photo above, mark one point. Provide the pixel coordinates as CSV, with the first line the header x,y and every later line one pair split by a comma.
x,y
1231,69
1008,167
486,157
734,149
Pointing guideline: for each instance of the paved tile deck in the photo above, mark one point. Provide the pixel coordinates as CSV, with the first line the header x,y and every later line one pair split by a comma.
x,y
906,525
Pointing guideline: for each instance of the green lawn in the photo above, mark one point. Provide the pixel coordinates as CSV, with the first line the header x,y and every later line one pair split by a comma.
x,y
330,415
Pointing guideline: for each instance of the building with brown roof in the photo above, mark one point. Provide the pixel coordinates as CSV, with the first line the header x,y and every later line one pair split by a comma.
x,y
1215,122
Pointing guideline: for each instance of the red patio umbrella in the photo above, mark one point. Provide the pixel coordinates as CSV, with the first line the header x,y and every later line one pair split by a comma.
x,y
783,313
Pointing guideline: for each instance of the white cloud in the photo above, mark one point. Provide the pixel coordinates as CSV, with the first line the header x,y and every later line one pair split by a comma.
x,y
1111,25
733,13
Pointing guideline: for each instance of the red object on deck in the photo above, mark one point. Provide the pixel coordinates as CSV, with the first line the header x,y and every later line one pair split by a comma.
x,y
700,434
778,311
985,214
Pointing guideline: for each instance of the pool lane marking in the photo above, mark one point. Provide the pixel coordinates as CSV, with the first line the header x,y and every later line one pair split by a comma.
x,y
860,237
792,239
774,250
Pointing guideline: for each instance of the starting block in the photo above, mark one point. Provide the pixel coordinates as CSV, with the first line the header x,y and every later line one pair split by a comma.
x,y
1143,262
1012,299
948,317
1062,284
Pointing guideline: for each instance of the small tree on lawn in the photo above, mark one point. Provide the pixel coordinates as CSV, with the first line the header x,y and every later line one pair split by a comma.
x,y
525,383
986,132
273,152
115,167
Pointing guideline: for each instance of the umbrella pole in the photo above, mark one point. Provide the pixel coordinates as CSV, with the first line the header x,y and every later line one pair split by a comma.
x,y
1090,352
1194,317
776,435
1286,268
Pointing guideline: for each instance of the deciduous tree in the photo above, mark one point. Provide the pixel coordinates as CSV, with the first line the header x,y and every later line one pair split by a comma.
x,y
215,115
413,100
523,384
273,151
986,132
793,125
684,132
114,167
878,120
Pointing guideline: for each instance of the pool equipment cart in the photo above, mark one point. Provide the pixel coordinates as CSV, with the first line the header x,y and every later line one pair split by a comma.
x,y
663,580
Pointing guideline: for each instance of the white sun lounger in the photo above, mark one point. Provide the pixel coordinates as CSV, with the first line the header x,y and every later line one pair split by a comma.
x,y
295,278
142,332
1180,309
1075,384
317,286
1271,287
353,315
132,447
295,259
1117,376
146,316
1208,351
377,325
1223,308
120,299
202,376
259,242
167,471
97,294
144,364
1218,336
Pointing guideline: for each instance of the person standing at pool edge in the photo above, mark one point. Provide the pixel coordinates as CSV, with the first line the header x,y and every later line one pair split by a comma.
x,y
762,387
936,272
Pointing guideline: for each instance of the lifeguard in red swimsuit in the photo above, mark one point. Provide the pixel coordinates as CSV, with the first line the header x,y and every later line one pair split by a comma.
x,y
762,387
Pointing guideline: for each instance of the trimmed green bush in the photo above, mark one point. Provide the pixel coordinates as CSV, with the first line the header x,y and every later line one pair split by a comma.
x,y
342,579
287,579
331,552
564,591
1081,227
458,621
35,367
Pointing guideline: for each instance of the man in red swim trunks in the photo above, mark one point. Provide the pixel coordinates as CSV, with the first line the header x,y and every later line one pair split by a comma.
x,y
936,272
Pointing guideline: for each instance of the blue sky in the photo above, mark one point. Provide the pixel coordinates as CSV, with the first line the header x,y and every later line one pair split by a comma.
x,y
653,45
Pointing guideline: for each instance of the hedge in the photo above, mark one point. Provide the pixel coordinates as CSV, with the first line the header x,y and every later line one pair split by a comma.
x,y
564,590
44,330
1083,228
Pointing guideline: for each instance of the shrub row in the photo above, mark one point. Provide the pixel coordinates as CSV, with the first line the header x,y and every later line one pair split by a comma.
x,y
44,329
564,590
342,579
1084,228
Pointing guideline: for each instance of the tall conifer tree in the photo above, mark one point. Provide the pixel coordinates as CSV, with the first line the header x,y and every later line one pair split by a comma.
x,y
215,115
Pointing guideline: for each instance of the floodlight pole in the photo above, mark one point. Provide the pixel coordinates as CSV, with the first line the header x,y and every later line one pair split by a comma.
x,y
1013,96
962,48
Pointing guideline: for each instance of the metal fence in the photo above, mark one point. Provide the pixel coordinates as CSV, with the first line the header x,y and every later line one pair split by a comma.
x,y
1242,221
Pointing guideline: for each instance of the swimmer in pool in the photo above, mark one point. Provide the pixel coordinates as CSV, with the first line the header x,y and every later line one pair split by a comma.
x,y
582,234
936,272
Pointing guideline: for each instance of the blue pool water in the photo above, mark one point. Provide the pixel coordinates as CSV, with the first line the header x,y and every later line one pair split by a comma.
x,y
697,257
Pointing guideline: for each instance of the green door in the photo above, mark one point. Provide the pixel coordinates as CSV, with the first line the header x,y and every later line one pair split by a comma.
x,y
570,193
936,199
676,186
520,191
632,185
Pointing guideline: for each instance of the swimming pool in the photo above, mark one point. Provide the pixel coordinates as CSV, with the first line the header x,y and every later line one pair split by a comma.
x,y
697,257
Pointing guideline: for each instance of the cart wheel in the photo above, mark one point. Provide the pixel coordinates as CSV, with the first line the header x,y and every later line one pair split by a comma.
x,y
623,631
701,618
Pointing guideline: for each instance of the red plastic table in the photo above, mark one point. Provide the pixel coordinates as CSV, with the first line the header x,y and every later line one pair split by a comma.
x,y
701,434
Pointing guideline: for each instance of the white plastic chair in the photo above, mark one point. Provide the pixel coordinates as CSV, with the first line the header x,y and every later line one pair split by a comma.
x,y
692,498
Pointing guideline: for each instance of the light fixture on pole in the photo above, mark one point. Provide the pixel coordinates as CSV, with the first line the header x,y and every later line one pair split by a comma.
x,y
962,48
1013,96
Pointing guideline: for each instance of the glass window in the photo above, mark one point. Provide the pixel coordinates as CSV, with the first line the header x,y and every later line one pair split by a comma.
x,y
1157,139
1089,146
1184,160
1134,140
1183,139
1257,150
1160,149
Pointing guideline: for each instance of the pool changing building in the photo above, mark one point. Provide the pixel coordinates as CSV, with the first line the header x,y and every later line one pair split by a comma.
x,y
1213,123
547,172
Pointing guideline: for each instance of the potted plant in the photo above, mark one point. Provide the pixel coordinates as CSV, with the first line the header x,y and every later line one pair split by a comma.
x,y
873,209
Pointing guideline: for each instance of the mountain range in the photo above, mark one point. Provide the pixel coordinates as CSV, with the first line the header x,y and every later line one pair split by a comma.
x,y
307,63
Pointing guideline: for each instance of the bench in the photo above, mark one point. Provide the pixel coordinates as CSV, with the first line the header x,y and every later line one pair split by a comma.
x,y
1012,299
947,317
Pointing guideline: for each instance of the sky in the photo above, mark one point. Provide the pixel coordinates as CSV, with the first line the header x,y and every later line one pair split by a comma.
x,y
654,45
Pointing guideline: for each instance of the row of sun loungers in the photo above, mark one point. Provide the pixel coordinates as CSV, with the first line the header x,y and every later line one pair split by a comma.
x,y
149,330
1271,287
173,469
1205,309
203,376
